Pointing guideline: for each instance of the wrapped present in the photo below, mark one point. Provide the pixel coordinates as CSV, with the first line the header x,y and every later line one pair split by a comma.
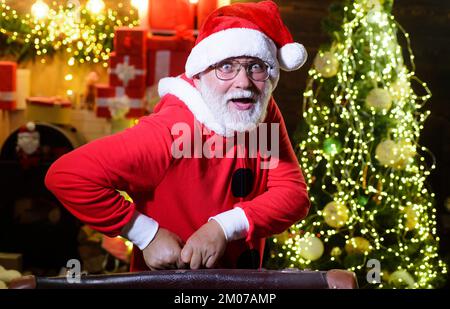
x,y
167,56
167,15
118,247
119,102
103,93
130,41
49,109
127,71
8,71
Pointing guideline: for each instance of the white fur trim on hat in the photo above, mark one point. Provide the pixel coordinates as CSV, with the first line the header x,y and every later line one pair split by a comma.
x,y
292,56
233,42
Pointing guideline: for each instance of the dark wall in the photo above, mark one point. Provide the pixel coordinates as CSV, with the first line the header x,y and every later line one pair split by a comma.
x,y
428,24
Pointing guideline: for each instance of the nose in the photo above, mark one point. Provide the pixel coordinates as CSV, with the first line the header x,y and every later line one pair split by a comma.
x,y
242,80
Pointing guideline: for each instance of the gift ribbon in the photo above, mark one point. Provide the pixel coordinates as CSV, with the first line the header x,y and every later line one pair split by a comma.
x,y
162,64
126,72
7,95
184,33
120,104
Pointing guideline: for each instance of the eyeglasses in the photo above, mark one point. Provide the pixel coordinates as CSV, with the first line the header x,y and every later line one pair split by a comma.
x,y
257,70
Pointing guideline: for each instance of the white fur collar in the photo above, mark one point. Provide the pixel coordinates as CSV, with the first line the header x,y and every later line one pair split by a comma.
x,y
192,98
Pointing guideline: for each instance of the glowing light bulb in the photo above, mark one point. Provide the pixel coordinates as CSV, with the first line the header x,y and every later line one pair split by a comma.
x,y
223,2
95,6
40,9
142,7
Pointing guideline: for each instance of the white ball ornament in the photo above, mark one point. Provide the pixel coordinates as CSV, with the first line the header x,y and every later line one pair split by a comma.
x,y
326,64
379,99
400,278
335,214
387,152
406,152
311,248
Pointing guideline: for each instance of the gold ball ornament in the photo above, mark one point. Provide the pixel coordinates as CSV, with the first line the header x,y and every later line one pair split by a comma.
x,y
357,245
326,64
310,248
282,237
336,251
400,278
335,214
412,217
387,152
379,99
8,275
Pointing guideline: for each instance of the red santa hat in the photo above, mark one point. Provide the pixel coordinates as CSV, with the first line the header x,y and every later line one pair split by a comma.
x,y
246,29
28,128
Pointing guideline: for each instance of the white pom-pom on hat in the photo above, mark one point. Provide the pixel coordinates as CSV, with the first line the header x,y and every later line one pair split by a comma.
x,y
292,56
31,126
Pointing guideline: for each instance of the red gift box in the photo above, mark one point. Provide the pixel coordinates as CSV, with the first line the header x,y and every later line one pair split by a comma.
x,y
108,98
168,15
167,56
127,71
130,41
103,93
8,71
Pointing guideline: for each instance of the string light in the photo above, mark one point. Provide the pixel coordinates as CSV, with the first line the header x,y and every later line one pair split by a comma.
x,y
386,210
95,6
141,5
85,34
39,9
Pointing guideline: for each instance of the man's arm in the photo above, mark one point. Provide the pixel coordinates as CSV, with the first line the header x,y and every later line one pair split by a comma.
x,y
86,181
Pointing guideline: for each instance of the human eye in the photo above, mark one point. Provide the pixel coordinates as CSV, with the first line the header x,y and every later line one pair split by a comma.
x,y
257,67
225,66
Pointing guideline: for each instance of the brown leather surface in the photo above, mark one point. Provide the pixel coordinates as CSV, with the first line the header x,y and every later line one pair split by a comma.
x,y
202,279
25,282
341,279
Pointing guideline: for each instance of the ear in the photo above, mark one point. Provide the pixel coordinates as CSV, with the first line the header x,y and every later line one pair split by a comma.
x,y
196,80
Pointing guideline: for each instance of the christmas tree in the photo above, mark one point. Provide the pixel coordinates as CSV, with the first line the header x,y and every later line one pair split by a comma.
x,y
371,209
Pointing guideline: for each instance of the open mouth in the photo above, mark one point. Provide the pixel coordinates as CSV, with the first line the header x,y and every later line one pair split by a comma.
x,y
243,103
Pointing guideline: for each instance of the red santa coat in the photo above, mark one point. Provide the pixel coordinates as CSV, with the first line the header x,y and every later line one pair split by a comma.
x,y
181,194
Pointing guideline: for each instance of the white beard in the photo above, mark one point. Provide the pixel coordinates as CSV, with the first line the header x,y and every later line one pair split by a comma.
x,y
229,117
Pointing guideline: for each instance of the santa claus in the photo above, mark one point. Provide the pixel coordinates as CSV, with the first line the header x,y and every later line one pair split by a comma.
x,y
213,205
28,145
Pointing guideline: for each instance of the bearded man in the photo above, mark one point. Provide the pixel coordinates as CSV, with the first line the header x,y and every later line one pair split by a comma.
x,y
199,209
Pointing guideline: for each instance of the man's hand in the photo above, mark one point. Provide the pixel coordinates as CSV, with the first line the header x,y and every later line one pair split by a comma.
x,y
163,252
205,246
